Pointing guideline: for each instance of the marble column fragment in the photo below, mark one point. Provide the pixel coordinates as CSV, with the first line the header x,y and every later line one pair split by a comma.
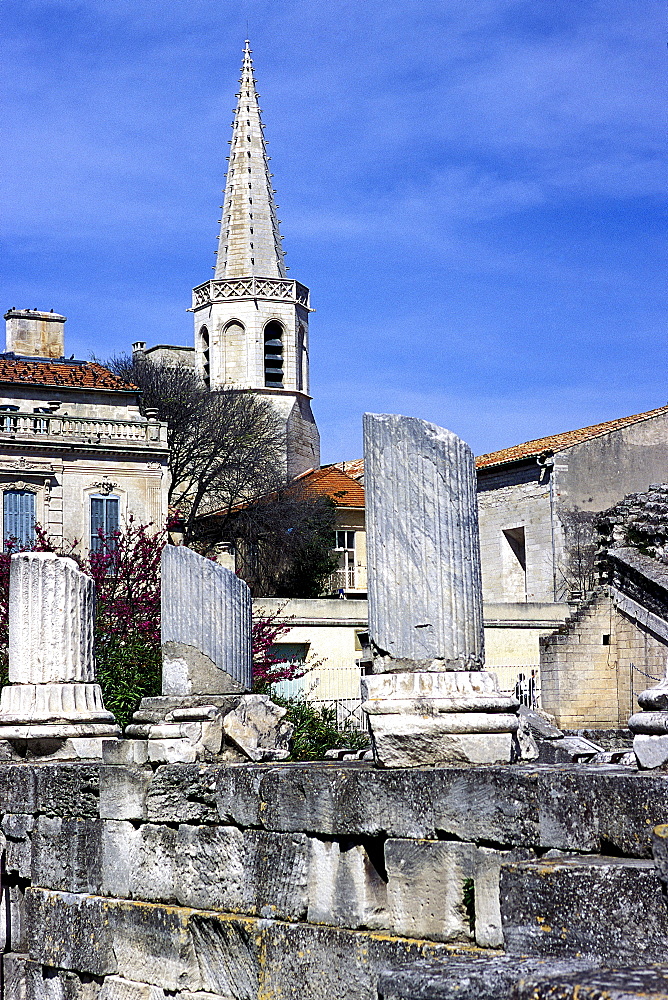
x,y
427,697
650,726
52,690
206,626
423,549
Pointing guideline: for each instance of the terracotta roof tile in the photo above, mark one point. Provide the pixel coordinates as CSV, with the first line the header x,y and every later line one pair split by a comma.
x,y
530,449
558,442
354,468
57,373
329,481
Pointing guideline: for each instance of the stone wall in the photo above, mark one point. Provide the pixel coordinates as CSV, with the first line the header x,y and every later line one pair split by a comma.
x,y
593,667
508,500
265,882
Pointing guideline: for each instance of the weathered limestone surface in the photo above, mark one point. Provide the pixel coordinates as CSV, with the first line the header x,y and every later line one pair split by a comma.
x,y
425,596
206,616
607,910
592,984
52,694
309,880
258,728
466,979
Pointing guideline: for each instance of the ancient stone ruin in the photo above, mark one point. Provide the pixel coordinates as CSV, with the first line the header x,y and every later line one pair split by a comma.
x,y
53,703
187,865
428,699
206,708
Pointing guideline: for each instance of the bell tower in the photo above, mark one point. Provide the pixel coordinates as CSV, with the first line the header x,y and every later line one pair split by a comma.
x,y
251,320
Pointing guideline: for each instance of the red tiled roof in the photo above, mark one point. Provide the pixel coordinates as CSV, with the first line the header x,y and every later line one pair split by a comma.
x,y
354,468
531,449
329,481
558,442
57,373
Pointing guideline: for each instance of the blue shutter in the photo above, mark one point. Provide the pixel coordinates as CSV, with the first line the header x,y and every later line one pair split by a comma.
x,y
111,521
96,523
19,516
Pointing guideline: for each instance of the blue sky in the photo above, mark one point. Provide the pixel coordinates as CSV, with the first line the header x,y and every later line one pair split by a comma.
x,y
471,189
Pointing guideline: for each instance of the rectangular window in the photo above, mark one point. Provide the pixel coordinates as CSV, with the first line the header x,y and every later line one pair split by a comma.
x,y
289,652
345,540
104,522
7,422
18,517
514,564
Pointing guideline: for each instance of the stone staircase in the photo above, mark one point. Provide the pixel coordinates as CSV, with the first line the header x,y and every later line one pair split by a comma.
x,y
575,927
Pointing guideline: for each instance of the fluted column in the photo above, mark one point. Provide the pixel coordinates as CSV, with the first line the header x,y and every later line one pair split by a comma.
x,y
206,620
423,549
432,702
52,690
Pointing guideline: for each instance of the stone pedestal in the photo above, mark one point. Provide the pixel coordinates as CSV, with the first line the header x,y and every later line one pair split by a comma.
x,y
427,697
439,718
52,694
650,727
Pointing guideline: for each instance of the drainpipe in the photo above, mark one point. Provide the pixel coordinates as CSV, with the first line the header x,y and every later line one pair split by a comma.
x,y
546,464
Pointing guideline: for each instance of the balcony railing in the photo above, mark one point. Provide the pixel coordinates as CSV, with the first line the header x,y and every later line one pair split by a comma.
x,y
252,288
350,578
87,430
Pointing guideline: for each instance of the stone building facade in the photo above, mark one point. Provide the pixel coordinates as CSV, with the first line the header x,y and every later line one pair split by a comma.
x,y
76,455
537,503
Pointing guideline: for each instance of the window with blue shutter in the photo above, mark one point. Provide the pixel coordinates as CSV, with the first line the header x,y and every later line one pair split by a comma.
x,y
18,517
104,522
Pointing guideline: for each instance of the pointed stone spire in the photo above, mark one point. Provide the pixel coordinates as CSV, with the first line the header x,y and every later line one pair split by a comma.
x,y
249,242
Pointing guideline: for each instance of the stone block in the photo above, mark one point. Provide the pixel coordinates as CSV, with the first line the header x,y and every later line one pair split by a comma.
x,y
123,791
66,854
413,741
18,789
119,848
426,888
14,976
257,723
345,888
117,988
651,751
474,978
209,867
171,751
155,864
330,800
592,984
276,867
606,910
333,963
68,790
18,828
70,931
184,794
57,984
125,751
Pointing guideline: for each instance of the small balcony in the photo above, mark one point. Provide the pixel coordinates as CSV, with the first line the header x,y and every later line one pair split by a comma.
x,y
52,429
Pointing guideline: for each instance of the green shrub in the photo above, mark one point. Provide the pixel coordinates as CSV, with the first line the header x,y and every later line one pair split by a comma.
x,y
316,732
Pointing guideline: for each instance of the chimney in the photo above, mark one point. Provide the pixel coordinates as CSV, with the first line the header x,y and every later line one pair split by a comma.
x,y
139,347
35,334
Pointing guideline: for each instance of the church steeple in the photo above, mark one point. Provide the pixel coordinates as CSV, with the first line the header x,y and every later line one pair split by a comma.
x,y
251,320
249,241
